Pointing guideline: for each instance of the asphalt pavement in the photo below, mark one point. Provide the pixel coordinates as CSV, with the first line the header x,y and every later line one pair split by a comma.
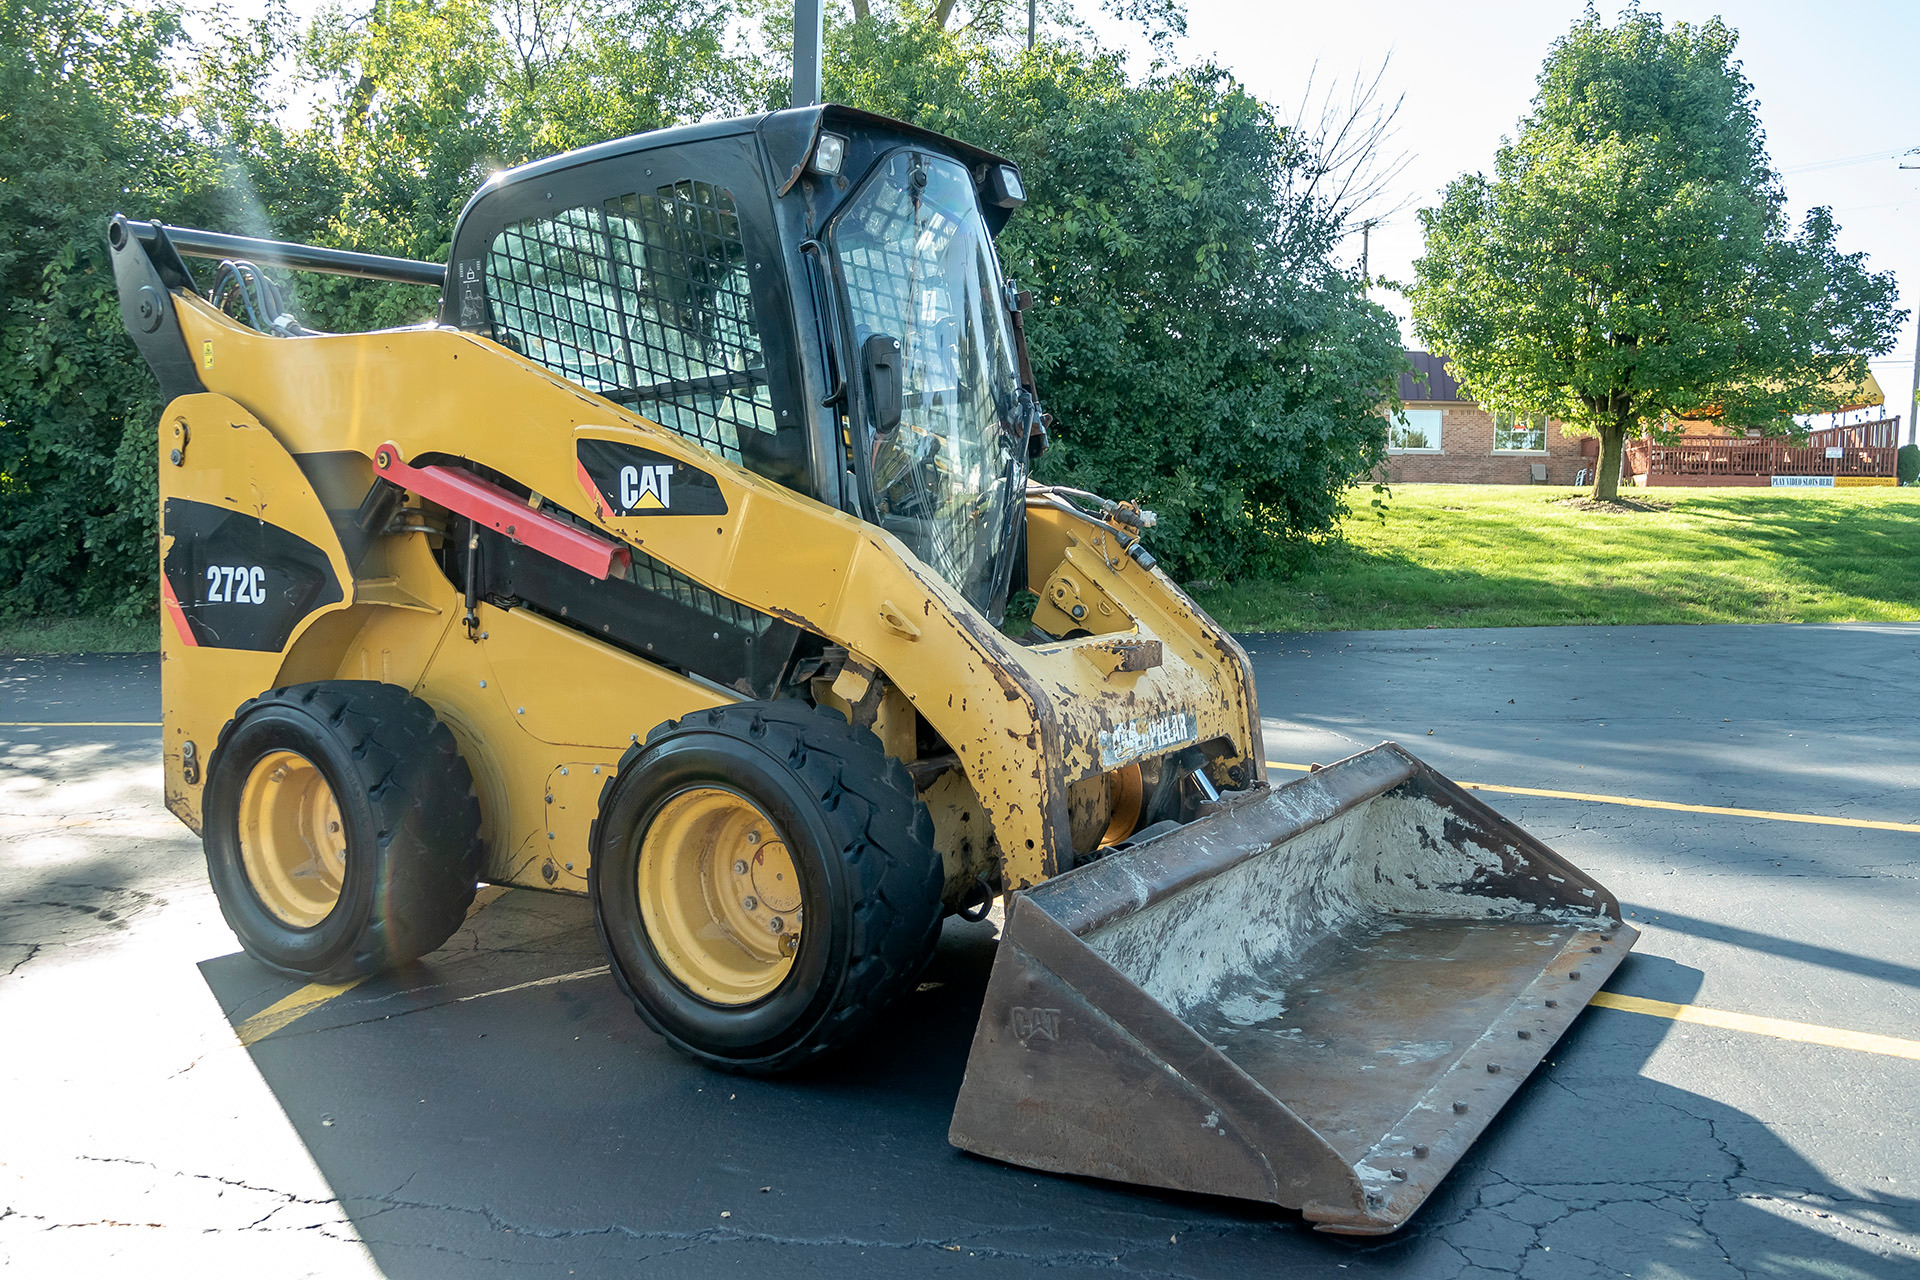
x,y
498,1110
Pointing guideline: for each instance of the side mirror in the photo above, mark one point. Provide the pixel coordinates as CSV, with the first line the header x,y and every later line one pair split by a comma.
x,y
881,355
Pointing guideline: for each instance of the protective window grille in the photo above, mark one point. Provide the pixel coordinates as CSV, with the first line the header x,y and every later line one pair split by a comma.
x,y
646,300
653,576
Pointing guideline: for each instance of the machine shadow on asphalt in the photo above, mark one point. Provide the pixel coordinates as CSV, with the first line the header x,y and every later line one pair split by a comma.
x,y
453,1108
1786,948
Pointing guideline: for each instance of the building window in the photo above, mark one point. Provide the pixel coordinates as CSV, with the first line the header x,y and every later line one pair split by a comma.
x,y
1415,431
1513,434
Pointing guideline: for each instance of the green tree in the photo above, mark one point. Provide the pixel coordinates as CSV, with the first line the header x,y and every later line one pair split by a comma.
x,y
88,122
1631,262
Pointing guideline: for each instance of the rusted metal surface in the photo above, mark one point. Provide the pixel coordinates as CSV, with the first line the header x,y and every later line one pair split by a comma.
x,y
1316,997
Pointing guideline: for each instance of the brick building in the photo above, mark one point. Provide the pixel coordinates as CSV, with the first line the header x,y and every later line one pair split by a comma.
x,y
1446,438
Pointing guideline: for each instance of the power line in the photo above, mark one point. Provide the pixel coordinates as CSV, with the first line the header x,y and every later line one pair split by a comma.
x,y
1842,162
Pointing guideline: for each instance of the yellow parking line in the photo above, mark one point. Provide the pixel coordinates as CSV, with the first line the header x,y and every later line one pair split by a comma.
x,y
1816,819
290,1009
79,724
1779,1028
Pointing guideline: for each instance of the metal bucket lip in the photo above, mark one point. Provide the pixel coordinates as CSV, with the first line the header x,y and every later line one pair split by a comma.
x,y
1103,891
1246,826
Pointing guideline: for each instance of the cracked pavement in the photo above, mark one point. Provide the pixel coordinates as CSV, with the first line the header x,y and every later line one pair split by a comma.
x,y
453,1120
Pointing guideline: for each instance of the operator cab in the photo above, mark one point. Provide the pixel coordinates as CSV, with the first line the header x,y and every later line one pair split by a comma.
x,y
812,294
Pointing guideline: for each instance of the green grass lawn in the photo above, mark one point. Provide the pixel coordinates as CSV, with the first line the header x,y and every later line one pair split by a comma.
x,y
1510,556
78,635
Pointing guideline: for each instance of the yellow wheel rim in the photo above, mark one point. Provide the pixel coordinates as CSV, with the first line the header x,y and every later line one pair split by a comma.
x,y
719,896
293,843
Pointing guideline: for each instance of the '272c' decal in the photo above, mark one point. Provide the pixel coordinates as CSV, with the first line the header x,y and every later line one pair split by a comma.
x,y
236,584
626,480
233,581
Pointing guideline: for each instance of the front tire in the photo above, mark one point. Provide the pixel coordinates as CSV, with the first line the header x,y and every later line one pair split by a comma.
x,y
765,882
341,830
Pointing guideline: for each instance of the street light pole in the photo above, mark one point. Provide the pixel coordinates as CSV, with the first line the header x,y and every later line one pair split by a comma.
x,y
806,52
1913,404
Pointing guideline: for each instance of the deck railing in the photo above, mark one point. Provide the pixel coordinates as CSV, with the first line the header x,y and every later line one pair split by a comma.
x,y
1879,433
1733,456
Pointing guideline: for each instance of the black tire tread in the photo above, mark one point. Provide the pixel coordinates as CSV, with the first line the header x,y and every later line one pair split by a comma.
x,y
420,790
885,836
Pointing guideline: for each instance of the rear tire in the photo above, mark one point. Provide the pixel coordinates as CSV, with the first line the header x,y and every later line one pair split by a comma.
x,y
838,811
341,830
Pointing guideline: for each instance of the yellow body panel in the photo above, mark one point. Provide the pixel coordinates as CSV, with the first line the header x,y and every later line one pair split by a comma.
x,y
1026,721
213,451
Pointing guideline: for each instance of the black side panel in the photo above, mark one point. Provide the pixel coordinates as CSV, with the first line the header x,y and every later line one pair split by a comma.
x,y
654,612
240,582
639,482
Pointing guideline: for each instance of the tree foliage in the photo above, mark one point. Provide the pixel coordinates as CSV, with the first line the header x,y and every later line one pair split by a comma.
x,y
1195,341
88,119
1631,262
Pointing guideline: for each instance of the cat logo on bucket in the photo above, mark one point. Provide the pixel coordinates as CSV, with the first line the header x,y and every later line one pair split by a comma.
x,y
646,488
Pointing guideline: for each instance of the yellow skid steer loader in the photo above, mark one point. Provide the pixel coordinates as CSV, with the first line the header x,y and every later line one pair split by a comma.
x,y
668,566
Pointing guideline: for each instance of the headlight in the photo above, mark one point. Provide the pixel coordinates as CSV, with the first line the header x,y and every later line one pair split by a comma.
x,y
1004,190
829,154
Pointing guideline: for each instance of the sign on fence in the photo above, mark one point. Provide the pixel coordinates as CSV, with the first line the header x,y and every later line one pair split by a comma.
x,y
1803,482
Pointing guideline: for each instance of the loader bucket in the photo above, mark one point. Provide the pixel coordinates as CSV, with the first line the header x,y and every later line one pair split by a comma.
x,y
1316,996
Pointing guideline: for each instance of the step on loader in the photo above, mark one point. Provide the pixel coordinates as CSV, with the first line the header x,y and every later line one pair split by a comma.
x,y
668,563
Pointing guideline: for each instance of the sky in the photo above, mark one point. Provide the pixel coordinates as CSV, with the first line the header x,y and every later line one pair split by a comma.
x,y
1838,84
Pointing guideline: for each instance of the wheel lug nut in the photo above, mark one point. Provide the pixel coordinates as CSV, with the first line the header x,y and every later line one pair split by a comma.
x,y
776,924
739,866
753,837
333,826
750,902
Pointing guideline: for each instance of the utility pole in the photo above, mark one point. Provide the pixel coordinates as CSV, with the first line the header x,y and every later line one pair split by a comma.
x,y
1033,21
806,52
1913,403
1366,238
